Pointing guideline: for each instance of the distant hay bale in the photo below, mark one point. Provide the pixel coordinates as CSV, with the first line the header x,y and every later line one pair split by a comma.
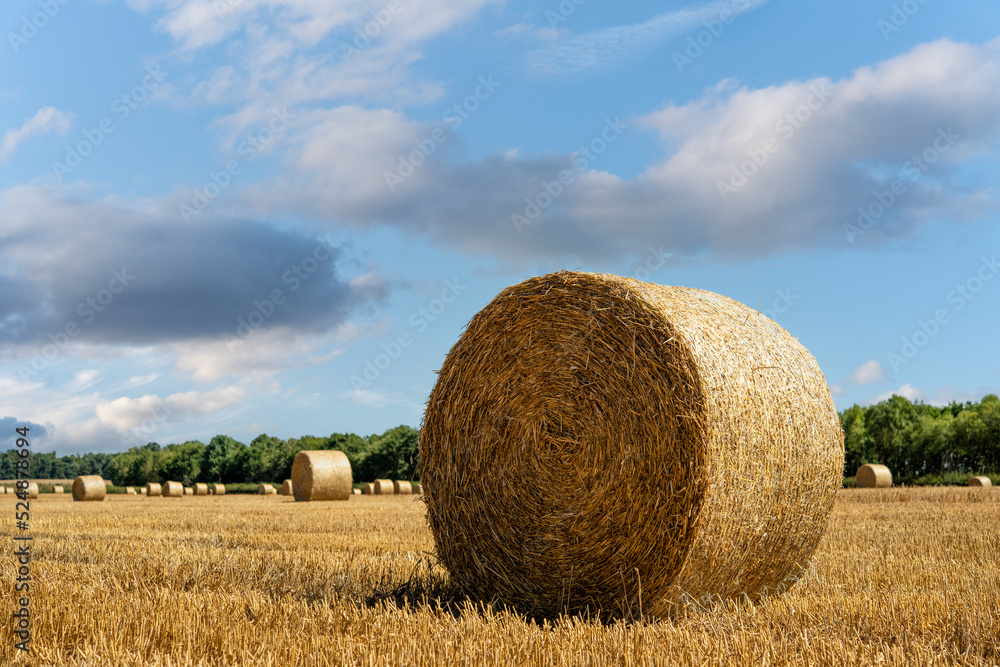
x,y
980,481
218,489
129,491
417,489
201,489
266,490
384,487
173,490
356,492
32,490
368,489
596,442
141,490
188,491
58,489
153,489
321,475
286,488
401,488
108,482
873,476
89,487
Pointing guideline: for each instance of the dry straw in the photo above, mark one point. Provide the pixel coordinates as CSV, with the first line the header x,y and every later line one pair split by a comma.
x,y
32,490
369,489
89,487
201,489
402,488
266,490
355,492
980,481
417,489
58,489
322,475
595,442
218,489
173,490
286,488
188,491
384,487
153,489
873,476
129,491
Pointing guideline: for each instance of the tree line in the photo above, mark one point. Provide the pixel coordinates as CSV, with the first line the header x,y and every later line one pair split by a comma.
x,y
391,455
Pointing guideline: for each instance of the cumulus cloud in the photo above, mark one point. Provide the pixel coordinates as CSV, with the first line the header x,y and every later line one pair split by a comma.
x,y
47,119
867,373
907,391
126,413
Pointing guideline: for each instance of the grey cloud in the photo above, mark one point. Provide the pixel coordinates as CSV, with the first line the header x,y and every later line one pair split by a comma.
x,y
8,435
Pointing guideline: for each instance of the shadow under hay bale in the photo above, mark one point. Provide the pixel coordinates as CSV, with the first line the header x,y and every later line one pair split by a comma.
x,y
873,476
679,446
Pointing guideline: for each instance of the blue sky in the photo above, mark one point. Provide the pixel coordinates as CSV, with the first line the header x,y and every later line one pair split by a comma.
x,y
246,216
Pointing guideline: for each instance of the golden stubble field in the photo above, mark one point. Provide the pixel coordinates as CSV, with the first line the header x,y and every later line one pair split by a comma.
x,y
903,576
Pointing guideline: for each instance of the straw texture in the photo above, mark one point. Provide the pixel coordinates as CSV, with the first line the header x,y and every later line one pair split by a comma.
x,y
595,442
89,487
980,481
32,490
383,487
153,489
402,488
355,492
322,475
218,489
173,490
188,491
369,489
201,489
58,489
129,491
417,489
873,476
286,488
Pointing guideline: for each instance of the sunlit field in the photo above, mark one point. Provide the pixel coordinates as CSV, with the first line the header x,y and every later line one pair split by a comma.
x,y
903,576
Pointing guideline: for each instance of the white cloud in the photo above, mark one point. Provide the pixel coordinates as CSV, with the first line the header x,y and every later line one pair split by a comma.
x,y
907,391
867,373
47,119
126,413
371,398
84,379
836,390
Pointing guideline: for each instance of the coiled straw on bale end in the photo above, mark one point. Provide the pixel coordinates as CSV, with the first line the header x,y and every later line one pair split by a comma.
x,y
980,481
173,490
322,475
286,488
401,488
680,447
153,489
201,489
383,487
218,489
89,487
369,489
873,476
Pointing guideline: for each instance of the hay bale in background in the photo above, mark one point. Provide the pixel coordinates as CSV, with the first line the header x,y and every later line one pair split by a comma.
x,y
266,490
384,487
218,489
141,490
58,489
188,491
980,481
368,489
417,489
355,492
873,476
321,475
32,490
108,482
89,487
201,489
129,491
173,490
153,489
401,488
286,488
703,427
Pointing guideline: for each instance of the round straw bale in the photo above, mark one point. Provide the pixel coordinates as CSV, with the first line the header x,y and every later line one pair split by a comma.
x,y
980,481
153,489
683,448
417,489
356,492
173,490
201,489
402,488
321,475
58,489
368,489
108,482
32,490
266,490
129,491
286,488
218,489
89,487
188,491
873,476
384,487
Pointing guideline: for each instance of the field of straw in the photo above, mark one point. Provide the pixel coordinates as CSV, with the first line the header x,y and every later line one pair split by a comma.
x,y
902,576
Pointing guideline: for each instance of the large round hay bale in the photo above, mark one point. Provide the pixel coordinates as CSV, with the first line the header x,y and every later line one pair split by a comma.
x,y
321,475
873,476
201,489
401,488
58,489
129,491
218,489
368,489
153,489
594,441
266,490
384,487
173,490
89,487
286,488
980,481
